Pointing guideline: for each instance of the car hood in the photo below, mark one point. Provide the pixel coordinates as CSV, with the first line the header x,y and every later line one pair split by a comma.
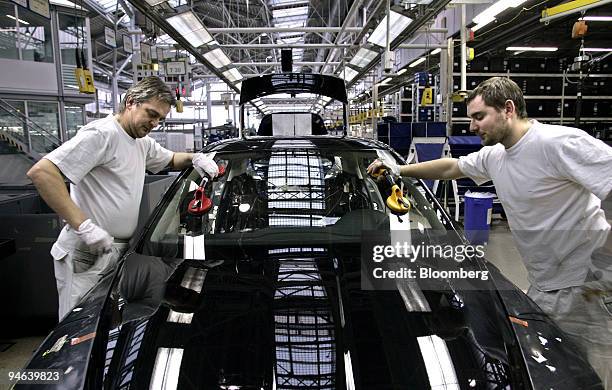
x,y
290,317
298,317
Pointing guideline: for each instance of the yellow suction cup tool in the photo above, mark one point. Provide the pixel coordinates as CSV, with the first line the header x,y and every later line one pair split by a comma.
x,y
397,202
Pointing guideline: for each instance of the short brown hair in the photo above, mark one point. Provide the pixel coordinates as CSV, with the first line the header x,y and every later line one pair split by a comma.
x,y
151,87
496,90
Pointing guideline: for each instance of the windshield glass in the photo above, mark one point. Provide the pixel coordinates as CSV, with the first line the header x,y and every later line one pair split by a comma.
x,y
268,196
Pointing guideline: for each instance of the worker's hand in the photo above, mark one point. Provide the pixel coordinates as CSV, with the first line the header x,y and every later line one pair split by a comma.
x,y
205,165
377,166
98,239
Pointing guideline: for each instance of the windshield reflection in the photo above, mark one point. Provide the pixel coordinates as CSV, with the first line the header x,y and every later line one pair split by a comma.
x,y
293,317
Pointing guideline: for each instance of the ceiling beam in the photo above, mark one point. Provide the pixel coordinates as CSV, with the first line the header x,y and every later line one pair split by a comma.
x,y
284,45
260,30
162,23
298,63
433,9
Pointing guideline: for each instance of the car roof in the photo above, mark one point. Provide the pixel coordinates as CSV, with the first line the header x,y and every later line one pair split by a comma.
x,y
269,84
260,143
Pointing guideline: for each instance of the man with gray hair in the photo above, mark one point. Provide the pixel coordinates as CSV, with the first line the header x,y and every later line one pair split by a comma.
x,y
551,181
105,164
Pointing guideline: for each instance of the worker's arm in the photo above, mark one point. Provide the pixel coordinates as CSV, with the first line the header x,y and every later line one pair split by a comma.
x,y
181,160
202,162
50,184
442,169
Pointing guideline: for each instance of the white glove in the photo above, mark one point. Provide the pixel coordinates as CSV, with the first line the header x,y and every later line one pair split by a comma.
x,y
377,165
205,165
98,239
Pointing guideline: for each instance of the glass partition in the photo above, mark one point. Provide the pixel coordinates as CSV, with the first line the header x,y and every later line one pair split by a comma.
x,y
74,120
12,123
8,31
46,116
71,35
34,37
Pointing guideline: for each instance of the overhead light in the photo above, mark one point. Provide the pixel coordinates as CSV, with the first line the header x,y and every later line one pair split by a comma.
x,y
415,63
402,71
363,57
65,3
290,12
435,51
348,74
153,3
531,48
190,27
398,23
19,20
232,75
217,58
597,18
489,14
596,49
385,81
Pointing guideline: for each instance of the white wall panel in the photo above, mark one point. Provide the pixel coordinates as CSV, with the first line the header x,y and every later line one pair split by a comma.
x,y
28,77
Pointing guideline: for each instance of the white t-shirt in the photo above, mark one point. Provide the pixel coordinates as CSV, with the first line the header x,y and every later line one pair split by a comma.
x,y
107,168
549,183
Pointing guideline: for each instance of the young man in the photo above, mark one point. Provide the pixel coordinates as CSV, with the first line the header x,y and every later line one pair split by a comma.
x,y
105,163
551,181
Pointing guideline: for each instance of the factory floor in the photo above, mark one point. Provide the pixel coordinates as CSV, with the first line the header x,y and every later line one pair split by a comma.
x,y
501,251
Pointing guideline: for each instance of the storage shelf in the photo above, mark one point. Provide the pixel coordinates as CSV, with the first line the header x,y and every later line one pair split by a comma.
x,y
568,119
504,74
566,97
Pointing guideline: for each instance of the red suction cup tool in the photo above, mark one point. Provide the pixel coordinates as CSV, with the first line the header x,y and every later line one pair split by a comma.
x,y
221,171
200,204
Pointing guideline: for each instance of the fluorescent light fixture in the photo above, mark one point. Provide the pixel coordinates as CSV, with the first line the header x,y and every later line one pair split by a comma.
x,y
597,18
531,48
415,63
232,75
489,14
20,21
606,49
65,3
217,58
165,39
348,74
436,51
290,12
190,27
289,40
402,71
363,57
398,24
385,81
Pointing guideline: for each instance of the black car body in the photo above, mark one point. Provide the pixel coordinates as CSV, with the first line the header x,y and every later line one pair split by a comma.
x,y
265,291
